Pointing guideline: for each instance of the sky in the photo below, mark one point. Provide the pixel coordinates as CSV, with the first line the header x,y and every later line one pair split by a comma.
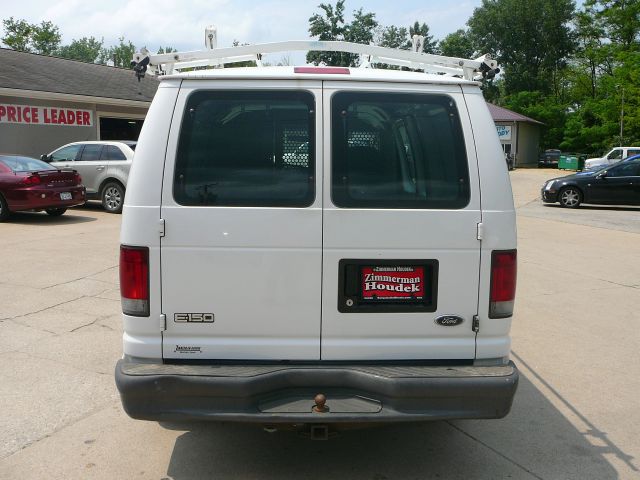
x,y
181,24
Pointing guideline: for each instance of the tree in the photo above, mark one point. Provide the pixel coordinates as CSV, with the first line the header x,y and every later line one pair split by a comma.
x,y
20,35
620,19
84,49
332,26
423,29
606,67
17,34
362,27
401,38
394,37
457,44
531,39
45,38
166,50
120,54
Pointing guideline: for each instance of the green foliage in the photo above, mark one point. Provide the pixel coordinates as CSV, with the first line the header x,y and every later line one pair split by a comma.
x,y
423,29
565,68
332,26
620,20
394,37
43,38
17,34
400,37
457,44
166,50
543,108
531,39
84,49
604,72
120,54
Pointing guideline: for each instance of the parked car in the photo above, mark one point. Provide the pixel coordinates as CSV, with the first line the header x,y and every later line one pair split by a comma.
x,y
614,156
30,184
359,277
618,184
549,158
104,167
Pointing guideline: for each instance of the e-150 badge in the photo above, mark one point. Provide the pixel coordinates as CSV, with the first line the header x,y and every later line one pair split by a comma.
x,y
193,318
393,283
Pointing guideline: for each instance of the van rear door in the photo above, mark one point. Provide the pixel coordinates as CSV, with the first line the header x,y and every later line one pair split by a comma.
x,y
401,254
242,249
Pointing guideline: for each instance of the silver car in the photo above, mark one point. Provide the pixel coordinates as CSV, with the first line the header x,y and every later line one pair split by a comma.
x,y
103,165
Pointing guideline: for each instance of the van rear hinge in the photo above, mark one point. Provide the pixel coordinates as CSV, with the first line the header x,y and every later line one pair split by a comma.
x,y
480,231
475,325
163,322
161,227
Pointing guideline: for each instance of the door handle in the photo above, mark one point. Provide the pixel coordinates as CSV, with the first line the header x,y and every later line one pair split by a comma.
x,y
100,167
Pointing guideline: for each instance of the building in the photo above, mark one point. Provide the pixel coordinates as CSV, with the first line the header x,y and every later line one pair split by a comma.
x,y
519,135
46,102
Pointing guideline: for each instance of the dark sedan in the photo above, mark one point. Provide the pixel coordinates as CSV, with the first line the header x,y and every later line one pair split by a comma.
x,y
30,184
618,184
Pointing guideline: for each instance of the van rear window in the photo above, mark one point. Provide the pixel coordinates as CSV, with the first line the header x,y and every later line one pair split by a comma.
x,y
396,150
246,148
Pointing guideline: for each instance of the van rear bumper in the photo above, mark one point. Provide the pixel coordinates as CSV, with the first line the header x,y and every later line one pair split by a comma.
x,y
271,394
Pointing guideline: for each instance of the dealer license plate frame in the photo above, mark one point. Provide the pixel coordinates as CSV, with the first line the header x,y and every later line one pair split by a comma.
x,y
351,298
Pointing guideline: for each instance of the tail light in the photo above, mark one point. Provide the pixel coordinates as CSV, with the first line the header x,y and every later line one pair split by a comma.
x,y
32,180
134,280
77,179
503,283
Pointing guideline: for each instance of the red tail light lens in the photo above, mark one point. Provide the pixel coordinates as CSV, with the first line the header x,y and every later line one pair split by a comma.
x,y
134,280
78,179
503,283
32,180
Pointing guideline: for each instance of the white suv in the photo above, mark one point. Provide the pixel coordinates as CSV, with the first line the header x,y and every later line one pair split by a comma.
x,y
317,246
103,165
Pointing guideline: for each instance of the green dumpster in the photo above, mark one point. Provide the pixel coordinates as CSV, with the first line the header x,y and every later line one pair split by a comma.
x,y
571,161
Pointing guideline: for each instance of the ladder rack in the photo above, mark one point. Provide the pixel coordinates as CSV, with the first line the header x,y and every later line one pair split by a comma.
x,y
167,63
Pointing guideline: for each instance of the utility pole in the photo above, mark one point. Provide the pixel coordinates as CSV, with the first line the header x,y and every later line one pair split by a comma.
x,y
622,116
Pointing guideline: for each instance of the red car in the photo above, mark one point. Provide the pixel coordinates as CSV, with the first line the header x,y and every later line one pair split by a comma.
x,y
30,184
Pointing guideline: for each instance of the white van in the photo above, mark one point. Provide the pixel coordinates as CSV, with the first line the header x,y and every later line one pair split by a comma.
x,y
317,245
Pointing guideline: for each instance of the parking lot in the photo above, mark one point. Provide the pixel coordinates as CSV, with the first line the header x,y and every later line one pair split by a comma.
x,y
575,339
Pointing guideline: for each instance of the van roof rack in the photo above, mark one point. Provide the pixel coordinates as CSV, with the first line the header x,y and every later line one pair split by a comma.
x,y
166,63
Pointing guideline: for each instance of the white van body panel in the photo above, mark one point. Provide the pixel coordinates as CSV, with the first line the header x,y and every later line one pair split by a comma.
x,y
301,323
448,236
258,270
140,221
498,222
250,306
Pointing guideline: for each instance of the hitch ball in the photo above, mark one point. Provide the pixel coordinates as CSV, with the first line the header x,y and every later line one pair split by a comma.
x,y
320,404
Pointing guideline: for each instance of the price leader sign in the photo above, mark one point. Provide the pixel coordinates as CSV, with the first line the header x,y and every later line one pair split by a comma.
x,y
38,115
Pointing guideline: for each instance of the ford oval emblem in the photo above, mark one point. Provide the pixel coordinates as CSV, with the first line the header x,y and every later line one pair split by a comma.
x,y
449,320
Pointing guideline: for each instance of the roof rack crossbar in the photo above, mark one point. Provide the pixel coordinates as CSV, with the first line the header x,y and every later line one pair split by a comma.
x,y
484,67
